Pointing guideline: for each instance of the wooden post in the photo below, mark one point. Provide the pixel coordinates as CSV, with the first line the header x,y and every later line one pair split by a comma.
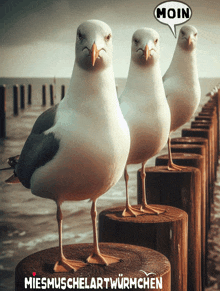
x,y
197,161
198,141
15,99
51,95
43,95
2,111
217,100
197,132
214,118
29,94
166,233
62,91
213,104
195,141
127,273
209,118
205,201
116,89
208,125
22,96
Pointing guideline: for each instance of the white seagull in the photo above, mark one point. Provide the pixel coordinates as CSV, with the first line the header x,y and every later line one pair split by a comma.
x,y
78,149
181,83
145,108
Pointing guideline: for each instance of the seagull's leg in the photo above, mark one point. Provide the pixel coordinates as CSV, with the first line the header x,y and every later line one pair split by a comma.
x,y
96,257
144,206
129,211
64,265
171,165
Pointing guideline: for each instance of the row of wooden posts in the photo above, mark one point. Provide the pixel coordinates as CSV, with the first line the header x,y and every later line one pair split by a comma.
x,y
22,101
183,239
172,245
180,233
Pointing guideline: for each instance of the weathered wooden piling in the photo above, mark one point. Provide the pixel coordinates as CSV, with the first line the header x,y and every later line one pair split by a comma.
x,y
166,233
213,104
29,94
205,124
197,161
51,95
205,201
196,141
62,91
15,99
214,118
205,133
139,269
22,96
204,142
209,118
216,99
2,111
44,95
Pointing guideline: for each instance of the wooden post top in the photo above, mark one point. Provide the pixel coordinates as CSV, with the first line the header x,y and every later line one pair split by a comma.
x,y
133,260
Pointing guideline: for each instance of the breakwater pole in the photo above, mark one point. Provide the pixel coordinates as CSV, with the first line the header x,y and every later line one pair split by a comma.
x,y
15,100
166,233
2,111
44,101
51,95
29,94
62,91
22,96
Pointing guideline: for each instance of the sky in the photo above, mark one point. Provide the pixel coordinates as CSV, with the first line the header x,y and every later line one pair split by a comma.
x,y
37,38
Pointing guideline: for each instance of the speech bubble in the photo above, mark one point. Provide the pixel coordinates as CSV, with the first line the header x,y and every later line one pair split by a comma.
x,y
173,13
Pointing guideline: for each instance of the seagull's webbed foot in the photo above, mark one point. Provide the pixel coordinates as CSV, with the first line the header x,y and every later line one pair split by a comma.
x,y
147,209
64,265
131,212
174,167
101,259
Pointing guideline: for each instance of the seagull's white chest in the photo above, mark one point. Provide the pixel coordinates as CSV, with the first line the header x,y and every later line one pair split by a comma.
x,y
91,157
183,99
149,126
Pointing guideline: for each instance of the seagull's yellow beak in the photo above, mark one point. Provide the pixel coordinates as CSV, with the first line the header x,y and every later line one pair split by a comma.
x,y
95,53
189,40
146,52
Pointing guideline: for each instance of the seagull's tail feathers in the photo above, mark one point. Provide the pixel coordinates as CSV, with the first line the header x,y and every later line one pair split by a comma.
x,y
12,180
12,161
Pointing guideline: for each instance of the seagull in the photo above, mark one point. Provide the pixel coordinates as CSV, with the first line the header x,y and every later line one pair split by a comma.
x,y
145,108
78,149
181,83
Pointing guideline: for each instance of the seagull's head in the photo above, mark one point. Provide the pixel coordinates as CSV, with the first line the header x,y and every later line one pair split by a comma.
x,y
94,45
187,37
145,49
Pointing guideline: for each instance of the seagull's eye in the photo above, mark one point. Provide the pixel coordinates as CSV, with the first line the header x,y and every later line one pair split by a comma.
x,y
156,41
183,33
195,34
107,38
136,41
80,35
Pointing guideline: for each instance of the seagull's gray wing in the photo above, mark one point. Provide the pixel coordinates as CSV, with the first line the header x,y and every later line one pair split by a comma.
x,y
39,148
